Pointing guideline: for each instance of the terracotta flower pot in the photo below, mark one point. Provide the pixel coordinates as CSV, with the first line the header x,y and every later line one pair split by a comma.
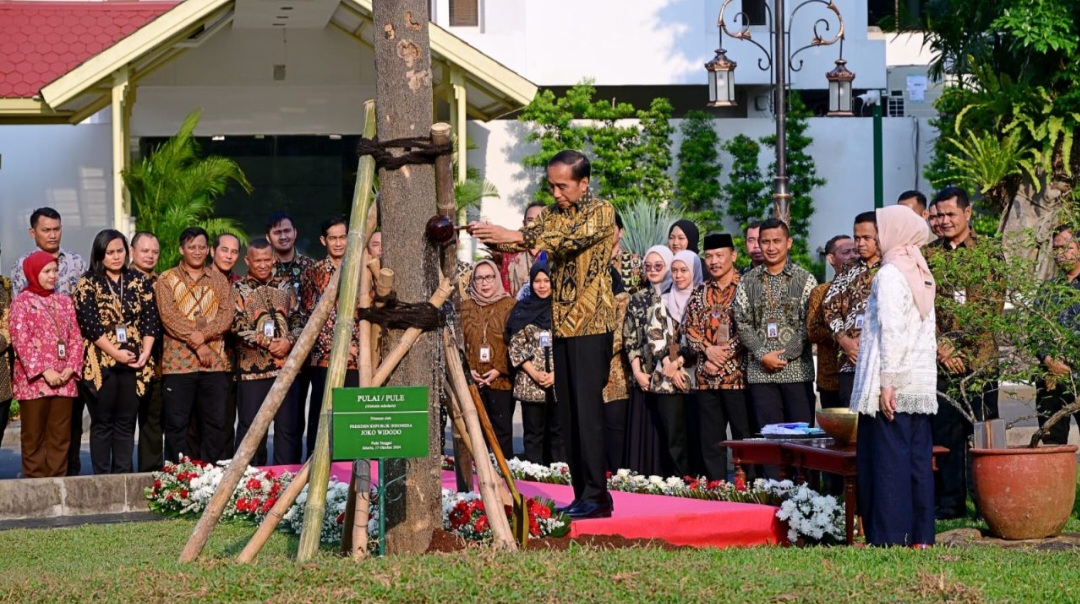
x,y
1025,493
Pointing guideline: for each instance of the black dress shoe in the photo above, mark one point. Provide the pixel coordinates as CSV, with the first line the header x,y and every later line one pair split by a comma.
x,y
591,509
565,509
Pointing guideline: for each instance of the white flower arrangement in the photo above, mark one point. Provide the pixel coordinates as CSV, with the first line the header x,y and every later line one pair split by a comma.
x,y
813,517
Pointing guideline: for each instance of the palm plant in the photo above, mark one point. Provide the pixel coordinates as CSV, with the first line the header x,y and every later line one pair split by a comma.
x,y
646,224
470,193
175,187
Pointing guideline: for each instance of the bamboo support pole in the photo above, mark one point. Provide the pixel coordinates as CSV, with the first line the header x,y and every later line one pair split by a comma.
x,y
493,496
362,511
339,350
260,425
363,354
275,515
455,412
441,295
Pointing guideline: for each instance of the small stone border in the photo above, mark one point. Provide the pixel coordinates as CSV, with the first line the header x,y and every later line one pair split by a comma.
x,y
27,498
970,537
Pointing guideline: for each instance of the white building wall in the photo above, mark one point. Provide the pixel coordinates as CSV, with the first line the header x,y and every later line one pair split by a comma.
x,y
67,168
842,149
642,42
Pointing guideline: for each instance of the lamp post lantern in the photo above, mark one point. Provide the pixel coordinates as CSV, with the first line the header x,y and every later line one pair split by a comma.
x,y
780,63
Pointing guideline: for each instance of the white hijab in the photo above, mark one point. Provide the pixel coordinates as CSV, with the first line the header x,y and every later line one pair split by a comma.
x,y
676,299
665,253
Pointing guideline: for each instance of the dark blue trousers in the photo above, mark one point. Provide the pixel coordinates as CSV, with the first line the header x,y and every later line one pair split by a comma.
x,y
896,479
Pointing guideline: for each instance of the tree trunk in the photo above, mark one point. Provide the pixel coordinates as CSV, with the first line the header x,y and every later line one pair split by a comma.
x,y
403,104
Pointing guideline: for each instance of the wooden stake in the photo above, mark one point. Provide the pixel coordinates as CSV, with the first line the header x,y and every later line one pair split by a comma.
x,y
363,355
275,515
384,284
339,350
259,426
493,497
362,513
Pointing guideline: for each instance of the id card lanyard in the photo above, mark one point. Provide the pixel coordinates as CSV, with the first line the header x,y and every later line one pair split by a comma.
x,y
61,333
772,307
118,305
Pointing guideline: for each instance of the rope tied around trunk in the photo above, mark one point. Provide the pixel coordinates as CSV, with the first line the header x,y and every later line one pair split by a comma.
x,y
418,150
395,314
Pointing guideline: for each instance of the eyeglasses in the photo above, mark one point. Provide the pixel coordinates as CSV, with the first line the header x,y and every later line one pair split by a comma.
x,y
484,279
650,267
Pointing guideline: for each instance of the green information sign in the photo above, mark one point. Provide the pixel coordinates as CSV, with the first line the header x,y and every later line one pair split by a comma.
x,y
380,423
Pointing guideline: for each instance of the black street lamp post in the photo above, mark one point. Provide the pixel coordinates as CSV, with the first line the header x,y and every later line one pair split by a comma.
x,y
721,72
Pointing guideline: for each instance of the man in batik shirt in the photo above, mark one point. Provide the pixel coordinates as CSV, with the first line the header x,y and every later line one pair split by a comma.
x,y
266,324
578,234
335,238
838,252
625,262
516,266
721,367
844,305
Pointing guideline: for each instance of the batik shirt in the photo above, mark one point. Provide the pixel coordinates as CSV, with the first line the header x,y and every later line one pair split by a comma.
x,y
818,332
258,306
293,271
628,266
111,309
6,355
578,241
635,327
183,305
618,384
38,324
770,314
844,306
978,347
710,321
69,265
525,346
312,287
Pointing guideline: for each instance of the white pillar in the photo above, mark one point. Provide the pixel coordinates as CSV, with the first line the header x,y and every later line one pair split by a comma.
x,y
122,99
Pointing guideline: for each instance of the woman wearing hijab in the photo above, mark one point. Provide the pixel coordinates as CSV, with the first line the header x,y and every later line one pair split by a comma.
x,y
683,235
528,332
896,388
643,447
49,352
117,314
669,380
483,323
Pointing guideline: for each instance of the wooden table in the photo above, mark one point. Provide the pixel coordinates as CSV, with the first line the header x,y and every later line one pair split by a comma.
x,y
821,454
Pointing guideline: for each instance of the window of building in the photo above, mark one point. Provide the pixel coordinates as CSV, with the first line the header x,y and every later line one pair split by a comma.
x,y
464,13
755,11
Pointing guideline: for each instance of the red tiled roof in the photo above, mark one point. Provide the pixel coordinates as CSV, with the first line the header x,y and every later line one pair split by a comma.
x,y
41,41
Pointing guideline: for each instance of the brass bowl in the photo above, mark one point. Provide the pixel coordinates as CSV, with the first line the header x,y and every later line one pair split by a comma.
x,y
841,424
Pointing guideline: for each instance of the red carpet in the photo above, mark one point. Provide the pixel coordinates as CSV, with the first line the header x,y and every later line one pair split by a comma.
x,y
674,519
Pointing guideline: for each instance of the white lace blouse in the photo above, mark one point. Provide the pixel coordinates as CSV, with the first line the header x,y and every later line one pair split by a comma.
x,y
897,348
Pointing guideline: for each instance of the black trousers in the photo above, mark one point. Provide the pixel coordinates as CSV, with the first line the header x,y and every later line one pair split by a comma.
x,y
499,405
113,412
615,423
201,394
718,410
671,411
896,479
541,432
301,390
251,394
847,386
582,364
782,403
318,386
830,399
151,438
78,408
952,430
1047,403
5,411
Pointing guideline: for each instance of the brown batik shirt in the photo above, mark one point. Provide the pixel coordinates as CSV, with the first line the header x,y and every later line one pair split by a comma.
x,y
259,306
483,326
183,304
844,306
819,333
578,241
311,289
710,321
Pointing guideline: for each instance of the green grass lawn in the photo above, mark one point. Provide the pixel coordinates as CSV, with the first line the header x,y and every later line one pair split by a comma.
x,y
137,563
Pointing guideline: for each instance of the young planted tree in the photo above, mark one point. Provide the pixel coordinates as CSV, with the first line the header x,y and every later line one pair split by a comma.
x,y
175,187
697,181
